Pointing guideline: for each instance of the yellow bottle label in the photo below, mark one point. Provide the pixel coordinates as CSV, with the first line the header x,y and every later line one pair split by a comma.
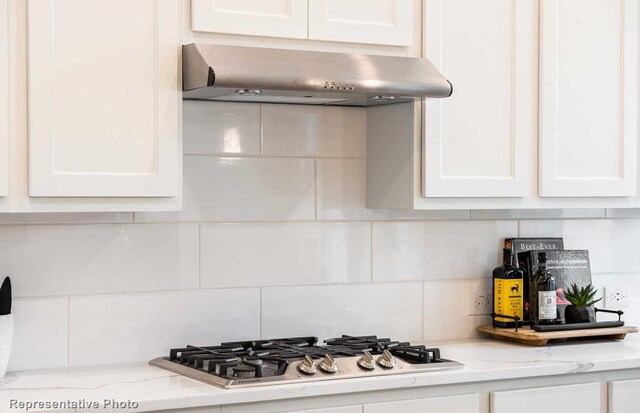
x,y
507,296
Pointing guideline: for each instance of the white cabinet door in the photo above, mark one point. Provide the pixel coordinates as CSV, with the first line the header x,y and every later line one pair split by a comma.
x,y
588,98
104,98
274,18
583,398
468,403
624,396
384,22
346,409
4,99
477,142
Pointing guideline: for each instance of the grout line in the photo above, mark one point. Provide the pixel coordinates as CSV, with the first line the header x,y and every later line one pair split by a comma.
x,y
241,287
423,311
301,221
68,331
261,132
199,256
260,313
371,251
249,156
315,189
297,221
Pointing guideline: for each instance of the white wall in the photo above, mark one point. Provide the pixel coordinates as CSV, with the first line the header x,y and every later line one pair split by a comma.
x,y
274,240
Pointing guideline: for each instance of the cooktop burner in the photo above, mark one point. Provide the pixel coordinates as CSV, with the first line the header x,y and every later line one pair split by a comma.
x,y
298,359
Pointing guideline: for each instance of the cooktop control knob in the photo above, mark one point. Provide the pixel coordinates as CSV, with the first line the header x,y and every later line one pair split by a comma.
x,y
366,361
328,364
308,366
386,360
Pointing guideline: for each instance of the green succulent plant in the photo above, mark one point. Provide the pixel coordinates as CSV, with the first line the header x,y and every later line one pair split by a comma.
x,y
581,297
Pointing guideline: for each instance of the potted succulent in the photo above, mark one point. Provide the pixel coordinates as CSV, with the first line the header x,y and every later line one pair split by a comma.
x,y
581,308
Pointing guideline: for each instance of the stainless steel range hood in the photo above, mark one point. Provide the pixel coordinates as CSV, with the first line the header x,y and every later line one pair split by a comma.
x,y
251,74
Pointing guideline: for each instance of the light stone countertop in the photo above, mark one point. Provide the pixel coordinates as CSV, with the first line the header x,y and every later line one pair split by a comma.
x,y
155,389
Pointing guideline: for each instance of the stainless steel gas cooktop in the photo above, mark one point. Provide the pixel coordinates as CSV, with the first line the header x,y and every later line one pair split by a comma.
x,y
301,359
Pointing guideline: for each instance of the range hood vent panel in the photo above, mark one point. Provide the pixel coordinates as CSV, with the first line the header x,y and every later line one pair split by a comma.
x,y
217,72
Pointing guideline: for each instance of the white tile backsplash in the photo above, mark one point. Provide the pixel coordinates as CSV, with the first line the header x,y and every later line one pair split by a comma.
x,y
241,255
631,314
297,130
389,310
612,243
82,259
243,189
446,307
438,250
274,240
211,128
40,333
537,213
107,329
342,195
623,213
68,218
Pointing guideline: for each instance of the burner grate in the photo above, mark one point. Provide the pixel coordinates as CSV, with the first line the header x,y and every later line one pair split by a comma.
x,y
267,361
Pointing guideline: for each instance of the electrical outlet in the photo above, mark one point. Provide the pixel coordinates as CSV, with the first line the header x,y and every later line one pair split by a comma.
x,y
479,304
616,297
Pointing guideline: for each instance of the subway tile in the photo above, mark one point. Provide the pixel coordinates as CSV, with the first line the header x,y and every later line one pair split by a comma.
x,y
108,329
243,189
81,259
342,196
300,130
238,255
537,213
623,213
221,128
40,333
446,308
388,310
612,243
67,218
438,250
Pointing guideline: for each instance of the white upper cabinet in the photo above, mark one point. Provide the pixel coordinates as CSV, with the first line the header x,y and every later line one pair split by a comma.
x,y
588,98
4,99
477,142
273,18
584,398
383,22
104,98
375,22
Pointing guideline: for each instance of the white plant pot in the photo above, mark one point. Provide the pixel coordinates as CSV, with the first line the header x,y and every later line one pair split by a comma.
x,y
6,338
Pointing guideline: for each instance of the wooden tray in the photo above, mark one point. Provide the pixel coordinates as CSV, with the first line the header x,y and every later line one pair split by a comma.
x,y
526,335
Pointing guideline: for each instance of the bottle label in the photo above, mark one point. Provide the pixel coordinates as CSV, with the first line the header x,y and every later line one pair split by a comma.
x,y
507,296
547,306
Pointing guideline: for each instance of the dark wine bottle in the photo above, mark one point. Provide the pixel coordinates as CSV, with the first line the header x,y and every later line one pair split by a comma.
x,y
508,288
544,306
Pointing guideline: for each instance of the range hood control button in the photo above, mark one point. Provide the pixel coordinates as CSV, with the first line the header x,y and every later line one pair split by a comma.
x,y
248,92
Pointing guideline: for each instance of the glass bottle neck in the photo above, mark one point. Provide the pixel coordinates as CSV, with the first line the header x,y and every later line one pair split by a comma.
x,y
507,259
